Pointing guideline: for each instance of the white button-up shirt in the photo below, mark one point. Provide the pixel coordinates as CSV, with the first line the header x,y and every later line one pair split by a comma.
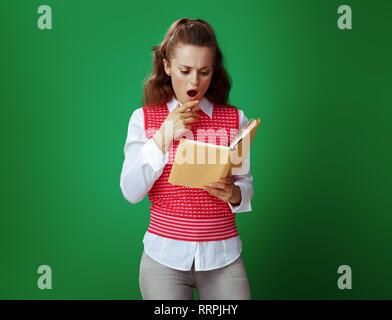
x,y
143,164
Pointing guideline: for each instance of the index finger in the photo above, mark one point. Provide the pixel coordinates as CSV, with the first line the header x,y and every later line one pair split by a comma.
x,y
187,105
227,180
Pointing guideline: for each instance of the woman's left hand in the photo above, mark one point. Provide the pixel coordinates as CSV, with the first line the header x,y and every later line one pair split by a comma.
x,y
225,190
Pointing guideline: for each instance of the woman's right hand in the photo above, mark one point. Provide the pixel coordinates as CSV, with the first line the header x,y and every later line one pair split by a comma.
x,y
176,124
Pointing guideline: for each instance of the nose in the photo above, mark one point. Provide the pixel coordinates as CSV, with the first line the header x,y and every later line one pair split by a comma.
x,y
195,79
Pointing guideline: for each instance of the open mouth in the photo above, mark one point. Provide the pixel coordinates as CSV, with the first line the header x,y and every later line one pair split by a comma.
x,y
192,93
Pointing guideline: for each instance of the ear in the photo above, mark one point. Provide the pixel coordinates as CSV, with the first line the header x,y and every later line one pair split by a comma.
x,y
167,67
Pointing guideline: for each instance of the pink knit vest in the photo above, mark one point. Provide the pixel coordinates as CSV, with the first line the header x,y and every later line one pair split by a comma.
x,y
184,213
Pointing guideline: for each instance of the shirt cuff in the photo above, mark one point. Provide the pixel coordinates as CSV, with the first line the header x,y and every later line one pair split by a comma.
x,y
153,155
244,205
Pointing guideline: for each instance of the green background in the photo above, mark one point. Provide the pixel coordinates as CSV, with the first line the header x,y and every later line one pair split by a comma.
x,y
321,162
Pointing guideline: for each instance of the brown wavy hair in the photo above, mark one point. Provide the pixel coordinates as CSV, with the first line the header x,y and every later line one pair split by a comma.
x,y
158,88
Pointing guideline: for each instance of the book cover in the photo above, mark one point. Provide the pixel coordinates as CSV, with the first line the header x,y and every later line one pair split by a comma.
x,y
197,164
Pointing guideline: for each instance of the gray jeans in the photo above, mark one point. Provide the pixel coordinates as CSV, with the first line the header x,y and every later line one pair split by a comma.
x,y
158,282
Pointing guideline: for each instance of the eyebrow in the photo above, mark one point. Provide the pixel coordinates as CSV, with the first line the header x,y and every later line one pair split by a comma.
x,y
183,65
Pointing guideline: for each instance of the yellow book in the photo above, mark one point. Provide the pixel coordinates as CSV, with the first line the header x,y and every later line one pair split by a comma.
x,y
197,163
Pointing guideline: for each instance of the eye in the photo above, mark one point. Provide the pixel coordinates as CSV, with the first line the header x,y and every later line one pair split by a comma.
x,y
203,73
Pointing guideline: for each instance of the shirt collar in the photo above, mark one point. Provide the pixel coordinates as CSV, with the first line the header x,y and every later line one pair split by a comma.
x,y
205,105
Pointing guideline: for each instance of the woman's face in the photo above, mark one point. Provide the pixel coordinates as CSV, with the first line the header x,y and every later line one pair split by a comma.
x,y
190,69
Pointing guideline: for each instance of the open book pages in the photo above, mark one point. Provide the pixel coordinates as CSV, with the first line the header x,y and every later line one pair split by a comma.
x,y
249,126
198,163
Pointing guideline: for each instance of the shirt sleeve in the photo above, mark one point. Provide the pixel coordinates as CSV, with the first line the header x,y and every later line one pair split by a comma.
x,y
243,178
144,161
